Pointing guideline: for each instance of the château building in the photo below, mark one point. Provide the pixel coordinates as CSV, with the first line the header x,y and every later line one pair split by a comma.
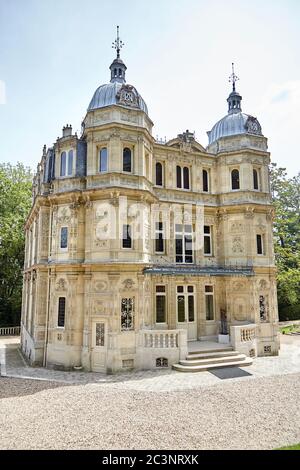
x,y
139,251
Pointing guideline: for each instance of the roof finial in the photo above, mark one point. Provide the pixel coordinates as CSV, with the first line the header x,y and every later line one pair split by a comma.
x,y
118,44
233,78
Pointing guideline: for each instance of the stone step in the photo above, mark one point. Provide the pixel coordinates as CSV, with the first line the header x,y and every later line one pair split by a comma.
x,y
200,351
213,360
204,355
241,363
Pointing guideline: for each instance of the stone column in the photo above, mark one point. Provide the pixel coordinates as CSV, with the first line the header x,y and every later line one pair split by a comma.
x,y
86,330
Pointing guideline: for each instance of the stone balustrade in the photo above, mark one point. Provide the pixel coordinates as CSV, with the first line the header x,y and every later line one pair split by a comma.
x,y
10,331
169,345
243,339
161,339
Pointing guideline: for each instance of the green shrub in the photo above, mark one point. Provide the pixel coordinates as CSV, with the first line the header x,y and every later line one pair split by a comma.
x,y
291,312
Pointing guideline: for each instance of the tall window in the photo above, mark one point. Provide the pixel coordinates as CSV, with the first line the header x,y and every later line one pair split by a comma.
x,y
185,304
255,179
64,237
235,179
186,178
208,240
160,304
61,312
262,308
183,177
184,243
127,157
205,180
159,237
127,240
70,162
259,244
63,162
66,163
127,314
178,177
209,302
158,174
103,160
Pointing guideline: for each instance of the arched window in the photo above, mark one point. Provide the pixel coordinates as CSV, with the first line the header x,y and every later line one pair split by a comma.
x,y
158,174
178,177
120,72
186,178
127,159
63,159
235,179
205,180
103,159
115,72
255,179
70,162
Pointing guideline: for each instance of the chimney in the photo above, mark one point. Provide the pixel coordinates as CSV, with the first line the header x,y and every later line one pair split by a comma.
x,y
67,130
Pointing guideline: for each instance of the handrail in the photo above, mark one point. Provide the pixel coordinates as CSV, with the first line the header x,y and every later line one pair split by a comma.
x,y
10,331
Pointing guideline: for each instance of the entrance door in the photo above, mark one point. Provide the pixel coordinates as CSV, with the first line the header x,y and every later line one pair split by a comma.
x,y
99,346
186,311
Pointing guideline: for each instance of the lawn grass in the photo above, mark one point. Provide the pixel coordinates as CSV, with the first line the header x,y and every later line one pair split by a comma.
x,y
289,329
295,447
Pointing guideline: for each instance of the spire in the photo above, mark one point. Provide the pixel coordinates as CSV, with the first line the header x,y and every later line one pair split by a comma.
x,y
118,68
118,44
234,99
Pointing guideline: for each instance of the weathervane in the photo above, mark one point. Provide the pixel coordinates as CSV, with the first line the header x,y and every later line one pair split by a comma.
x,y
118,44
233,78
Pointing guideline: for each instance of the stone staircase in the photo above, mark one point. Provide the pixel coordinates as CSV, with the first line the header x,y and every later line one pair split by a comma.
x,y
199,361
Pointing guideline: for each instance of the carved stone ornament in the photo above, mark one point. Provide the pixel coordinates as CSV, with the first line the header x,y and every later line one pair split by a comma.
x,y
249,213
128,284
263,284
252,126
61,285
237,245
237,226
64,216
101,286
127,95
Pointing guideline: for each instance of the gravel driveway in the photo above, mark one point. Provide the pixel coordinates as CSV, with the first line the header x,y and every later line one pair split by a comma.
x,y
261,413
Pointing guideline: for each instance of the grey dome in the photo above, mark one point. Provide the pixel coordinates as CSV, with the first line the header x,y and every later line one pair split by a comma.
x,y
234,124
109,94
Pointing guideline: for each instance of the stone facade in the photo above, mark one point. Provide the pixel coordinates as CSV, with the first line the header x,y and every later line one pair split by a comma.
x,y
115,302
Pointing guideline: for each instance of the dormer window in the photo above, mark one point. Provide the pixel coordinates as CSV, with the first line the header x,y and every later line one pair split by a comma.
x,y
66,163
63,159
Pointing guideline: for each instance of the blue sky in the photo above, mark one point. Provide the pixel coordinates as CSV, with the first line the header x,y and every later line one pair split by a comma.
x,y
55,53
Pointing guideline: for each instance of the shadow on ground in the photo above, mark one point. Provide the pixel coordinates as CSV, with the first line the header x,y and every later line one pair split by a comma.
x,y
229,373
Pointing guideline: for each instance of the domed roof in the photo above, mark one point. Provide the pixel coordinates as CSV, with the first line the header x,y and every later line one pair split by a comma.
x,y
117,93
234,124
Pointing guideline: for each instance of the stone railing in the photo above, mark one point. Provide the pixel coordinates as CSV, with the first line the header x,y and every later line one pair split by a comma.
x,y
10,331
161,339
169,345
243,339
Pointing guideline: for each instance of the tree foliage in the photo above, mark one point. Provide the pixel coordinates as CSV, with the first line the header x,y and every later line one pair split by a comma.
x,y
15,202
286,200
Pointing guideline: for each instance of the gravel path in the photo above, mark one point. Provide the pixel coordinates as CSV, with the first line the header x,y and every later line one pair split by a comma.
x,y
262,413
